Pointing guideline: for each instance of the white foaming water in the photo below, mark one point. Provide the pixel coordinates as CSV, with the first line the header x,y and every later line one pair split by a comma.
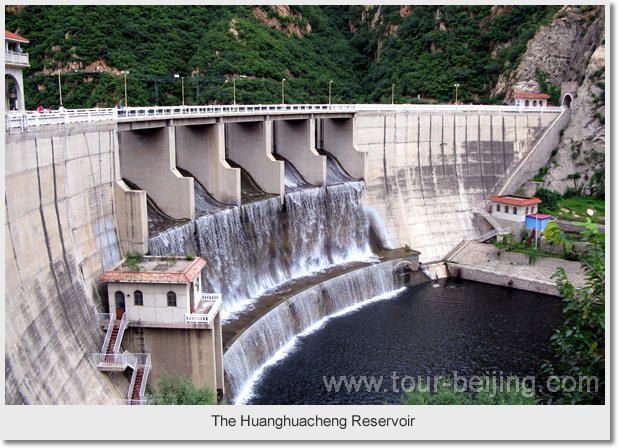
x,y
247,393
274,335
265,245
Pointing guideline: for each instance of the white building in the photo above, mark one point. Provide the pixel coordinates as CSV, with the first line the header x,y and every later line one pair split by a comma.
x,y
15,60
164,290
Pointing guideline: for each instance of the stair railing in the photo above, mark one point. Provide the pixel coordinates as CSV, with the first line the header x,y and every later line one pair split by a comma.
x,y
123,325
108,336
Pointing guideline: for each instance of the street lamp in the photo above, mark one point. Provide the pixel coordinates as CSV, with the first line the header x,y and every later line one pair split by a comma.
x,y
183,86
126,72
59,86
329,87
456,87
234,82
282,92
393,96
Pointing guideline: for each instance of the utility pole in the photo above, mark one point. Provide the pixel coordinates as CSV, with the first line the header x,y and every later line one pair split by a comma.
x,y
329,87
393,96
456,87
282,91
59,86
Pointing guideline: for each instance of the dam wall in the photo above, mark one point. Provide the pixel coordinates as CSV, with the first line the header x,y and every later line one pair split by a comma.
x,y
60,236
69,216
427,171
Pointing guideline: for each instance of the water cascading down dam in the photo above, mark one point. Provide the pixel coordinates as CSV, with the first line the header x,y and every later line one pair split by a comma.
x,y
265,244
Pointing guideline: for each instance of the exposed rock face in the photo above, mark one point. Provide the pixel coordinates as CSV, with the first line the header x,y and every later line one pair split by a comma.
x,y
571,50
560,50
580,160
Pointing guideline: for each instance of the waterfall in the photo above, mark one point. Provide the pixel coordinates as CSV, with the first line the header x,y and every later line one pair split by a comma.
x,y
274,333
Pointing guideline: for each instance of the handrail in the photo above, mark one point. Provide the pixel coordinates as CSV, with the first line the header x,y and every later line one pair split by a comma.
x,y
108,336
124,322
147,367
211,296
22,121
126,358
131,402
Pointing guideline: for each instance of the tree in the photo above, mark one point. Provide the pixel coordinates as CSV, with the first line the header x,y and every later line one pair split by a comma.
x,y
180,390
580,342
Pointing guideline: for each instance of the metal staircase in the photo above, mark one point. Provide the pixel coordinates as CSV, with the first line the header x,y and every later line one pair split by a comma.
x,y
498,230
111,360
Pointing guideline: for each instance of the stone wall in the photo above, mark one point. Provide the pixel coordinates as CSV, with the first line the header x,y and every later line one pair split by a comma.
x,y
60,236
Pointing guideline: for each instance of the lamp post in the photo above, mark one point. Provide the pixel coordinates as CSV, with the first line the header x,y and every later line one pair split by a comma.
x,y
456,87
234,83
330,83
393,96
183,90
126,72
59,86
282,91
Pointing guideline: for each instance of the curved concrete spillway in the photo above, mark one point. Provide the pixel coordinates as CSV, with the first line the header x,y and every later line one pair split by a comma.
x,y
265,337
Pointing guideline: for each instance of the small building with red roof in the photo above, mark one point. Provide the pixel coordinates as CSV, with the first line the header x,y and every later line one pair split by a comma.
x,y
513,207
163,290
537,221
158,307
531,99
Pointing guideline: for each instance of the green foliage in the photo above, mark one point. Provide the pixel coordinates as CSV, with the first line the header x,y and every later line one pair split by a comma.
x,y
448,393
580,342
541,175
423,54
134,260
180,390
549,198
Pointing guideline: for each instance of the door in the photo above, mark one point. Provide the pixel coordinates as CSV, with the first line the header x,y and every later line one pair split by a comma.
x,y
192,296
119,304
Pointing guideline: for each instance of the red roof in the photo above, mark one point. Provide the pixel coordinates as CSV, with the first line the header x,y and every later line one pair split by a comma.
x,y
120,274
531,95
515,199
539,215
9,35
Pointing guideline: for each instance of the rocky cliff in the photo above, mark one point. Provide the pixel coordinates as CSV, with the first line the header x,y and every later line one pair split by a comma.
x,y
570,52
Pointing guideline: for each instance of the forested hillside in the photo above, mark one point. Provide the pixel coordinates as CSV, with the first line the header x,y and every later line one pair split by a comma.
x,y
363,50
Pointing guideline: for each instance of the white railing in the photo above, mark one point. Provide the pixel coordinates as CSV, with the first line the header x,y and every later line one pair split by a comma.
x,y
147,367
16,58
20,121
114,361
123,325
453,108
211,296
108,336
197,318
17,121
131,402
141,360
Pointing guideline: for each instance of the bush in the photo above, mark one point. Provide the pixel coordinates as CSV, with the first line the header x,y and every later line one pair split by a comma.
x,y
549,198
180,390
493,391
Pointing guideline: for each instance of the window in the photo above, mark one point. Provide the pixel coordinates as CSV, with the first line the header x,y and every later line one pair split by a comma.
x,y
497,207
171,298
526,210
534,103
138,298
506,209
532,209
541,103
514,210
527,103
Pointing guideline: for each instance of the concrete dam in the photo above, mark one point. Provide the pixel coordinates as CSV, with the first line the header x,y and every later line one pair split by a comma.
x,y
335,185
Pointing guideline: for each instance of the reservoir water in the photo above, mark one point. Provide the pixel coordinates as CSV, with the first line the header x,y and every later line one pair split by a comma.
x,y
448,327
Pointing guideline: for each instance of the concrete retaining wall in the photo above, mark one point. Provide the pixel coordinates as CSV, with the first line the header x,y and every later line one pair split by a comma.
x,y
148,159
250,145
60,236
201,151
295,140
427,172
